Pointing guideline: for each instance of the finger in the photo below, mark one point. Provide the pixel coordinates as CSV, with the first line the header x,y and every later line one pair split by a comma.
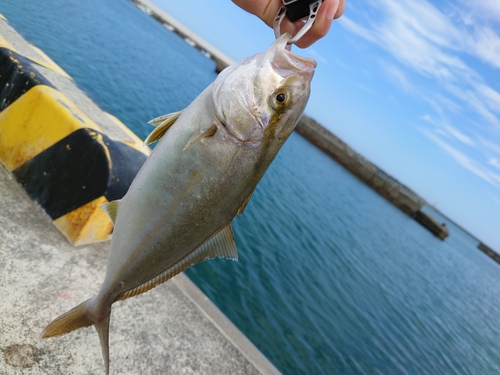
x,y
330,10
336,10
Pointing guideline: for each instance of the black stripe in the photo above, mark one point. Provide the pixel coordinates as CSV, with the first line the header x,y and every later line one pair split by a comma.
x,y
17,76
75,171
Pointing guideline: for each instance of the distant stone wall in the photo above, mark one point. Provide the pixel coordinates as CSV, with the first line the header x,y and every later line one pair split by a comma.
x,y
395,192
398,194
489,251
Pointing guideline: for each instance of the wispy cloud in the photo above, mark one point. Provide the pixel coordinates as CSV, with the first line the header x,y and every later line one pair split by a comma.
x,y
357,29
491,97
435,44
489,145
459,135
494,162
464,160
399,77
495,199
448,130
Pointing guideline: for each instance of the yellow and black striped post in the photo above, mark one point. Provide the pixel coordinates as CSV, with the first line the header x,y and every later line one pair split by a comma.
x,y
63,159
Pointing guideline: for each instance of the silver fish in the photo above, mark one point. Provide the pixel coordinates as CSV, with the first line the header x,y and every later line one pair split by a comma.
x,y
208,161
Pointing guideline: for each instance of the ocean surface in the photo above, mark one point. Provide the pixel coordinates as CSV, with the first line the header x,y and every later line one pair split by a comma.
x,y
332,279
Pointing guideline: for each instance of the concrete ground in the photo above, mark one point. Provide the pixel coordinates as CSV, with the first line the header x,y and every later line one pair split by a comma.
x,y
172,329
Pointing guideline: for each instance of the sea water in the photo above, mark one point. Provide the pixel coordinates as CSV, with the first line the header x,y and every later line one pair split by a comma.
x,y
331,278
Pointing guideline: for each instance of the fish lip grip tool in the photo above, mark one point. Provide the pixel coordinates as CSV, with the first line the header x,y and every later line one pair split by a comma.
x,y
296,10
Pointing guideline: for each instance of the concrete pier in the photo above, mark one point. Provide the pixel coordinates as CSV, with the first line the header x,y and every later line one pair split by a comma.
x,y
220,59
437,228
172,329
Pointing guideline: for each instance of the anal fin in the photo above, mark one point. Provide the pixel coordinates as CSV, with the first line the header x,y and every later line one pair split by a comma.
x,y
220,245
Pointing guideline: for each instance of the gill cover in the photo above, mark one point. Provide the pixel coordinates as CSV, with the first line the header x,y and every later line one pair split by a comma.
x,y
246,95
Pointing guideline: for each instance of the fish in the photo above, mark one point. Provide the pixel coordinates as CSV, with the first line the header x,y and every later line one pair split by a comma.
x,y
201,174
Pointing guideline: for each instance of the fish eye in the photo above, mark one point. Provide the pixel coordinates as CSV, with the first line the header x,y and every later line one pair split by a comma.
x,y
281,97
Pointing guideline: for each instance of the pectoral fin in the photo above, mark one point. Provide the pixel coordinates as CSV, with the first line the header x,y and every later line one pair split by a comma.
x,y
220,245
204,133
111,209
162,123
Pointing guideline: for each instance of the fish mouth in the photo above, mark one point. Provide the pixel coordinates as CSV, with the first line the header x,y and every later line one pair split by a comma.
x,y
300,62
287,60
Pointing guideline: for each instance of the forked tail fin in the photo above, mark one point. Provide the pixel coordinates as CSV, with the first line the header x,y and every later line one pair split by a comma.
x,y
73,319
83,316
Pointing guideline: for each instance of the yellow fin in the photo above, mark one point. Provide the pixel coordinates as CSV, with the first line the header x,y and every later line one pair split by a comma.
x,y
199,135
159,120
221,245
162,123
244,204
111,209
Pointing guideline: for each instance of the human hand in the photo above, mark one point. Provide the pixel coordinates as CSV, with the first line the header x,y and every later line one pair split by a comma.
x,y
266,10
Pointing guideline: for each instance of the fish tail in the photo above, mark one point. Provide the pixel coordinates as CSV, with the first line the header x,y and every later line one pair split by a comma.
x,y
75,318
103,332
85,314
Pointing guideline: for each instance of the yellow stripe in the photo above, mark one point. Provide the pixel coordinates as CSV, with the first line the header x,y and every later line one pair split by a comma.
x,y
2,17
86,224
137,143
5,44
34,122
49,63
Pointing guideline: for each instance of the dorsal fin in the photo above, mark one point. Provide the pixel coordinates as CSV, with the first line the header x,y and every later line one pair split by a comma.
x,y
221,245
199,135
159,120
162,123
111,209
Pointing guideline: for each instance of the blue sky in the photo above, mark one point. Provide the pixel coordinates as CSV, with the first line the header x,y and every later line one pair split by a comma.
x,y
414,86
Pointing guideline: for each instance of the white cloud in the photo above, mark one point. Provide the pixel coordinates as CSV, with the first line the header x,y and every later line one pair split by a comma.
x,y
486,45
434,43
471,97
491,96
485,10
489,145
494,162
464,160
448,130
459,135
399,77
357,29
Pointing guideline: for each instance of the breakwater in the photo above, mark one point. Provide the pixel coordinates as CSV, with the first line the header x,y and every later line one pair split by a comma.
x,y
221,60
395,192
489,251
